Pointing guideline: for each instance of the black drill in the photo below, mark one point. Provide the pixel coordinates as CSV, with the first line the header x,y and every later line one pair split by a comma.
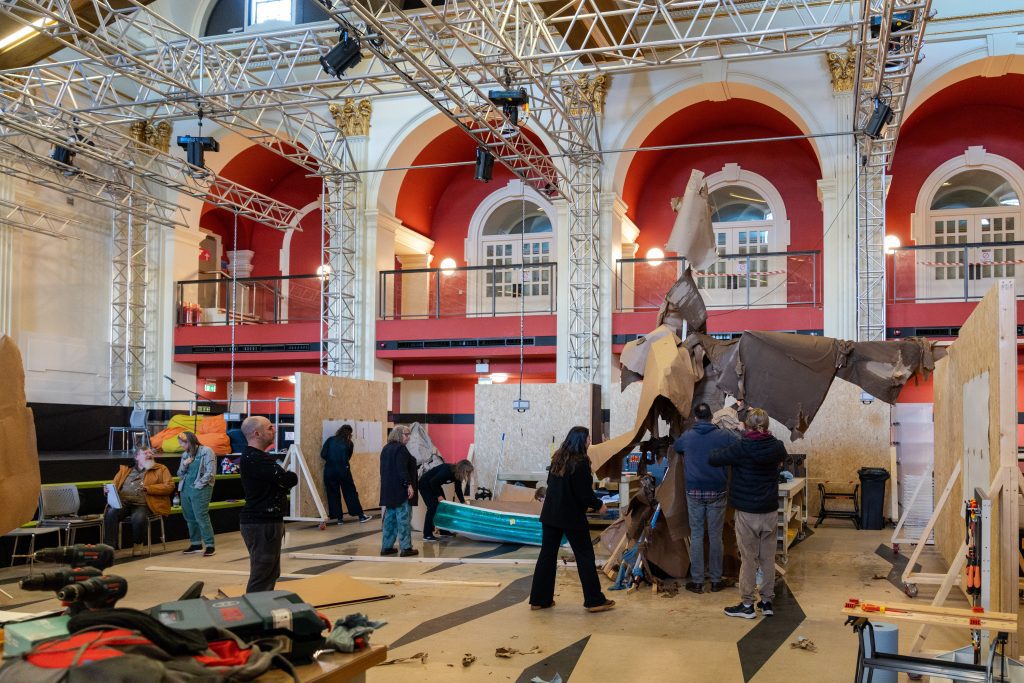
x,y
79,555
98,592
54,581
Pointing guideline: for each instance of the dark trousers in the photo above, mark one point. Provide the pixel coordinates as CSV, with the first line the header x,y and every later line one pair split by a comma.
x,y
430,497
332,482
113,516
264,544
543,591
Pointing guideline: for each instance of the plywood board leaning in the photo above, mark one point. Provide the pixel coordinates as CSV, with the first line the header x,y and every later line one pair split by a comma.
x,y
987,343
363,403
554,409
325,590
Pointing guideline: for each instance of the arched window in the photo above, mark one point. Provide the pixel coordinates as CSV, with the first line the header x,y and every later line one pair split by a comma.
x,y
968,203
748,218
511,230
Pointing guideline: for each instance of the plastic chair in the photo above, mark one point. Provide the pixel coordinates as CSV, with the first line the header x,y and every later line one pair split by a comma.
x,y
31,532
137,425
58,507
149,532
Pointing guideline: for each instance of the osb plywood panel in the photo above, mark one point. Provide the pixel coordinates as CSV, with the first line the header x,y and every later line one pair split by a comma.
x,y
623,408
554,409
845,436
986,344
338,398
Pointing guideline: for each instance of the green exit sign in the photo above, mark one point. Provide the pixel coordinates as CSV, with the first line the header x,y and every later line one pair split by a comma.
x,y
210,386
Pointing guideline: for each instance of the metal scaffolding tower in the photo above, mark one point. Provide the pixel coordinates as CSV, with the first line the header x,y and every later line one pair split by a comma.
x,y
891,36
340,214
129,319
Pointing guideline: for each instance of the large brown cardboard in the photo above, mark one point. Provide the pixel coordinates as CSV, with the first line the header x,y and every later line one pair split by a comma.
x,y
19,461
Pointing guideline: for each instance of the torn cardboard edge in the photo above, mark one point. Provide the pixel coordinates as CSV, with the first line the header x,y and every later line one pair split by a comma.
x,y
327,590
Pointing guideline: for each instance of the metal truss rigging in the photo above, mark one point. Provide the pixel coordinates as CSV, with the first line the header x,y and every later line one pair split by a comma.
x,y
340,216
886,61
37,221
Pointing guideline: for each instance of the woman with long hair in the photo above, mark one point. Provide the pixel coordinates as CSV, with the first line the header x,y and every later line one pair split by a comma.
x,y
432,493
337,457
570,494
195,484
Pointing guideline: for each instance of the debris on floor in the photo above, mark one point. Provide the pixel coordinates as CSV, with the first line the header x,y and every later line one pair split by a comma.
x,y
879,577
803,643
420,657
538,679
507,652
468,659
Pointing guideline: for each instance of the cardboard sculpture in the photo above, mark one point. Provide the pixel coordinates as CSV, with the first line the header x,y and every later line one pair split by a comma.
x,y
19,461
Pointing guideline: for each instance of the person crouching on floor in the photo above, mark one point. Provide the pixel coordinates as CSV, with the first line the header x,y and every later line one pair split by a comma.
x,y
431,490
754,493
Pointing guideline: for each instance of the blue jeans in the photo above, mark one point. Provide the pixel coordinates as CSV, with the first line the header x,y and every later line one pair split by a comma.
x,y
397,523
709,514
195,507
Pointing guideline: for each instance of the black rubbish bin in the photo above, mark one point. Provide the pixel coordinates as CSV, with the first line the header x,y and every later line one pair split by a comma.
x,y
872,497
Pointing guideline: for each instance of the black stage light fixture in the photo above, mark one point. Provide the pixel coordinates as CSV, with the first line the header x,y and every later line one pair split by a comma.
x,y
484,169
880,118
342,56
194,147
62,155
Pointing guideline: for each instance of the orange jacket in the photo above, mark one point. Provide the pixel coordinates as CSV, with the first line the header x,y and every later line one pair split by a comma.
x,y
157,484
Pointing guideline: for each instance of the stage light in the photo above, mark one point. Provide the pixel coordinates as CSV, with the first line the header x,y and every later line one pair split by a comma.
x,y
484,170
891,243
65,157
342,56
880,118
655,256
448,266
323,271
195,148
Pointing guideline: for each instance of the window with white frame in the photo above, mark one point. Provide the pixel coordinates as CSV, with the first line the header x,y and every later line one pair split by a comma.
x,y
516,233
261,11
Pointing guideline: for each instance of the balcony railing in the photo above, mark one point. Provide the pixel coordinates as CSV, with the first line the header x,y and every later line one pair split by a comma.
x,y
249,301
953,272
770,280
469,292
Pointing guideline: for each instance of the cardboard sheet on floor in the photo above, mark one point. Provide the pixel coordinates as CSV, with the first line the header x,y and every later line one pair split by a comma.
x,y
326,590
519,494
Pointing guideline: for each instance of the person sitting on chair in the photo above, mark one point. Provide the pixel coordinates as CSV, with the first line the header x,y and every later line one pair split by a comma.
x,y
144,490
430,488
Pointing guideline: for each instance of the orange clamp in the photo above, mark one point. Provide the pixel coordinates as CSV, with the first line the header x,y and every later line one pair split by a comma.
x,y
975,621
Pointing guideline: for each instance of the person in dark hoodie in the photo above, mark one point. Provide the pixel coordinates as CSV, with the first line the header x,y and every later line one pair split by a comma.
x,y
754,493
705,496
261,522
570,494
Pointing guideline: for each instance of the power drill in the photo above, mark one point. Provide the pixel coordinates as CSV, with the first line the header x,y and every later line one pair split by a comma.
x,y
98,592
54,581
99,556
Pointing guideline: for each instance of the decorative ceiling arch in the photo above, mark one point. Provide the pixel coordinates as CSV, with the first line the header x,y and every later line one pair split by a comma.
x,y
654,113
948,73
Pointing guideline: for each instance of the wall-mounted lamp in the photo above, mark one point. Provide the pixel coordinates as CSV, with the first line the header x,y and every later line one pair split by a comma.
x,y
866,398
499,377
323,271
448,266
655,256
891,244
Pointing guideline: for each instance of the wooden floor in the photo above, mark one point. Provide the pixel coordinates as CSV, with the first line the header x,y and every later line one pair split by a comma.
x,y
646,637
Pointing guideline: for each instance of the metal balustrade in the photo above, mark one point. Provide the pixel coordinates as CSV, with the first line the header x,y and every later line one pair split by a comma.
x,y
468,292
769,280
249,301
953,272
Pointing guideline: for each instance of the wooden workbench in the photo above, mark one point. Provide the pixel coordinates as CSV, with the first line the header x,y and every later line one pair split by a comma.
x,y
335,667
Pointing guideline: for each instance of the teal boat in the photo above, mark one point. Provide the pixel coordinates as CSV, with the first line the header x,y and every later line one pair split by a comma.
x,y
482,524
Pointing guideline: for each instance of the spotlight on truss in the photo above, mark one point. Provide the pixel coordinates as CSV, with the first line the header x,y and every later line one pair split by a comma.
x,y
342,56
65,157
195,148
484,169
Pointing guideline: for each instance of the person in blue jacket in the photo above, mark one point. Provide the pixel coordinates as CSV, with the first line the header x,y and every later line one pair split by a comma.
x,y
705,496
431,490
569,496
337,455
397,493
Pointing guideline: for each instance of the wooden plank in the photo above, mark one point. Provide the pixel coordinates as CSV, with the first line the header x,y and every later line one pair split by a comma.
x,y
336,667
377,579
952,576
987,622
932,521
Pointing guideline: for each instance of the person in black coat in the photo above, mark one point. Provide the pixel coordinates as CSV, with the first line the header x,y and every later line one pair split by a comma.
x,y
337,454
430,488
397,492
754,493
570,494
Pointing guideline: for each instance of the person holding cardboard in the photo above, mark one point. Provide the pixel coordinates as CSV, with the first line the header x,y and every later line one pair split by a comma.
x,y
142,490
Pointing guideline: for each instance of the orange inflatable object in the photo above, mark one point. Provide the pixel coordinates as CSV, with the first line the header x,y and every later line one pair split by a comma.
x,y
158,439
212,424
219,443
